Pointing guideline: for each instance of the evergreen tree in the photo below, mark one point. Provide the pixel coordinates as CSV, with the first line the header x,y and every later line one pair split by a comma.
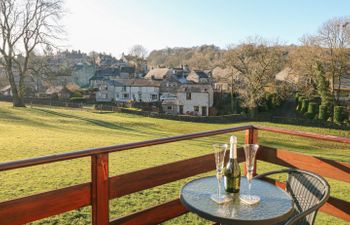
x,y
322,84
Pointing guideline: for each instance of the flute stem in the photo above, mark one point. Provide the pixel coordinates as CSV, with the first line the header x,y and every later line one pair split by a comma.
x,y
219,187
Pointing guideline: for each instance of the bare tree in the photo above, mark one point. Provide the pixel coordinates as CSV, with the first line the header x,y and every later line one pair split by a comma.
x,y
93,58
334,37
138,51
26,26
137,57
302,60
257,61
199,62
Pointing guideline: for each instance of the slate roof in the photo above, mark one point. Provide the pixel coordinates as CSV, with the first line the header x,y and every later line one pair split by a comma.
x,y
103,73
127,69
146,83
201,73
134,82
109,71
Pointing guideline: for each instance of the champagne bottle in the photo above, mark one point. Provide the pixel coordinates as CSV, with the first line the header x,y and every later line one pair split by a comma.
x,y
232,175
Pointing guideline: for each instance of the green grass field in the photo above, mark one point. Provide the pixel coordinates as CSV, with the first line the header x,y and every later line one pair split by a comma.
x,y
39,131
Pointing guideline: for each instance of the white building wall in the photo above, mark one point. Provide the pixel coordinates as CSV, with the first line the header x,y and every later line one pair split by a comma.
x,y
105,93
145,94
197,100
122,94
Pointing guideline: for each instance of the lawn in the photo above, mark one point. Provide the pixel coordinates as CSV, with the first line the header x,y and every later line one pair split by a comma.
x,y
38,131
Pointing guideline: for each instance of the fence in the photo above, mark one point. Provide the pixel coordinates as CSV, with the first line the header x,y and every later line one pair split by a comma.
x,y
102,187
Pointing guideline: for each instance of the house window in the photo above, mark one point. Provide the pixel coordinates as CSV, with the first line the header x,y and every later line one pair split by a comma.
x,y
154,97
124,88
170,107
125,96
188,96
117,95
140,96
196,108
103,87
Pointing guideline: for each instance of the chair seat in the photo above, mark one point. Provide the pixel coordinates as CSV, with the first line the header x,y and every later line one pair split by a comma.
x,y
309,192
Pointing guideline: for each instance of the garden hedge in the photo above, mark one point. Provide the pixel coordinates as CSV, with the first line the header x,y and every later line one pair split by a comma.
x,y
304,105
311,110
323,112
339,116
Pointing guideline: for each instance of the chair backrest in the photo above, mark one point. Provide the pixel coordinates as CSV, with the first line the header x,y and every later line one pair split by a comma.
x,y
309,192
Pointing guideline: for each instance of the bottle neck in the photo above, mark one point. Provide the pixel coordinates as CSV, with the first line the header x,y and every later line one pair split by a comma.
x,y
233,151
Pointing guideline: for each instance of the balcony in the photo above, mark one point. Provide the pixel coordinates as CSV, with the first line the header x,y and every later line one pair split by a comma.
x,y
103,188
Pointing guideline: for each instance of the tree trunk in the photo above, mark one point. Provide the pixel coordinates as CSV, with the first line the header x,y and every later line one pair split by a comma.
x,y
252,112
18,101
338,91
232,105
17,98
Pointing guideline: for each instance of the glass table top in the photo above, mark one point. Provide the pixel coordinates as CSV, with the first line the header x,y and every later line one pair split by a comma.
x,y
275,204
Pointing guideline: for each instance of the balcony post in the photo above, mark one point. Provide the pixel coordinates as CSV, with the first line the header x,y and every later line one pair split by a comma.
x,y
99,190
251,137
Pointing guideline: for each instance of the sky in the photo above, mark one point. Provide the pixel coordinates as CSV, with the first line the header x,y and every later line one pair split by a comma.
x,y
114,26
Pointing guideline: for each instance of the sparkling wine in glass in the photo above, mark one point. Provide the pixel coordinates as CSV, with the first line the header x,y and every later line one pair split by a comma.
x,y
250,151
219,153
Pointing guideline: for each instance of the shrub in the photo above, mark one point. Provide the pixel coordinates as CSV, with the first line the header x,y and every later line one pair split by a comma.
x,y
268,100
276,101
339,114
76,94
309,115
323,112
304,105
312,110
297,95
346,115
77,99
300,102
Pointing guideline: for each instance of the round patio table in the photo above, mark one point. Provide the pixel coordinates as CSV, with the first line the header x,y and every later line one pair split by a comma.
x,y
275,204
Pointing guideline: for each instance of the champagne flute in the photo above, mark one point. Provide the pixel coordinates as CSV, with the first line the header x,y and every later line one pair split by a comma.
x,y
219,153
250,151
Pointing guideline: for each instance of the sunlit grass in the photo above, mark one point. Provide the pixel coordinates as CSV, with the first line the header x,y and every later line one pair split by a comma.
x,y
38,131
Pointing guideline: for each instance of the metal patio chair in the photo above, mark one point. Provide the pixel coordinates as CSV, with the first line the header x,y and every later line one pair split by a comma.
x,y
309,192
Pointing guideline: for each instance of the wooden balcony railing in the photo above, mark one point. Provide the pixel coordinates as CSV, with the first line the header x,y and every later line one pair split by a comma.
x,y
102,188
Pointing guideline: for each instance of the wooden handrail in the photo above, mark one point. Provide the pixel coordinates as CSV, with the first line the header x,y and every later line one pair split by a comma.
x,y
28,209
153,215
324,167
35,207
304,134
102,187
89,152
